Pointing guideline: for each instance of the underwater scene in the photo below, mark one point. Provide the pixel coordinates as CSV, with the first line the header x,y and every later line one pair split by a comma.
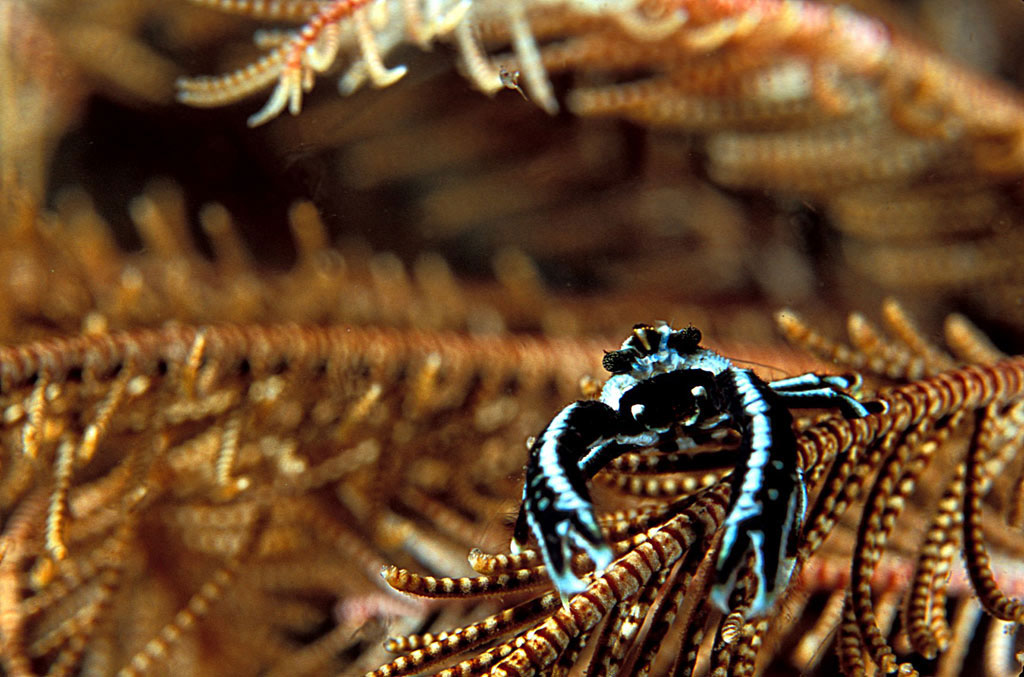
x,y
511,337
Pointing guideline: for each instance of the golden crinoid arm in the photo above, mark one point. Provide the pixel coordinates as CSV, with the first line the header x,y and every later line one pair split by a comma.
x,y
909,154
713,66
894,497
194,498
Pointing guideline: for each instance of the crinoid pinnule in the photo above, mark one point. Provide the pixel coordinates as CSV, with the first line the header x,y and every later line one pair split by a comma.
x,y
945,455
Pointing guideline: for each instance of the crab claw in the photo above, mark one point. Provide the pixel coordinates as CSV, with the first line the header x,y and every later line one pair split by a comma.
x,y
557,508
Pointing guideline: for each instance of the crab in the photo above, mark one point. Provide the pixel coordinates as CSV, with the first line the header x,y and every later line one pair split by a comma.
x,y
667,392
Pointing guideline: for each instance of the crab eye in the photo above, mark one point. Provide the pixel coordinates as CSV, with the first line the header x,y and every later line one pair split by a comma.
x,y
685,341
619,361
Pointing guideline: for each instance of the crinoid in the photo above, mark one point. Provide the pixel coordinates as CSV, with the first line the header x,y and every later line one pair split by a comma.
x,y
69,275
713,65
197,498
613,36
945,458
908,154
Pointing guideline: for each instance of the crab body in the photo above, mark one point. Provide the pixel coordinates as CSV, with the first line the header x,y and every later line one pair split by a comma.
x,y
666,391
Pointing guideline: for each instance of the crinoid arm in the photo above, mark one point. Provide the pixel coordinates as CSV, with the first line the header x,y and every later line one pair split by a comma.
x,y
364,32
931,446
311,50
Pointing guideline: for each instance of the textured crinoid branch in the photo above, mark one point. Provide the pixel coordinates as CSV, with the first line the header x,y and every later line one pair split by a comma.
x,y
203,496
939,455
938,469
714,65
73,276
370,27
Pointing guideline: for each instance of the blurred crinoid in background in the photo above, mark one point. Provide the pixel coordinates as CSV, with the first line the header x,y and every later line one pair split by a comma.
x,y
818,154
769,145
249,368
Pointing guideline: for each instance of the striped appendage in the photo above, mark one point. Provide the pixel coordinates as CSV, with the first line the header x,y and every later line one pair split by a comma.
x,y
674,462
992,599
905,442
424,654
769,497
926,623
195,609
207,92
623,579
539,648
967,388
500,563
264,9
293,64
895,481
659,487
431,586
556,502
871,461
160,422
